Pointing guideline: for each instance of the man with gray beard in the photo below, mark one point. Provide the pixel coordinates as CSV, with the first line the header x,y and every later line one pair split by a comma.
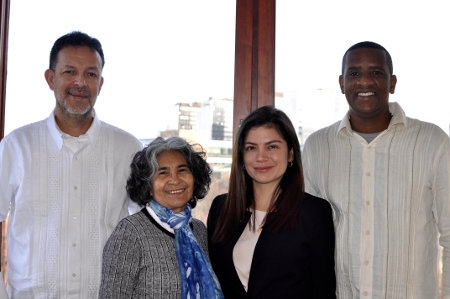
x,y
62,180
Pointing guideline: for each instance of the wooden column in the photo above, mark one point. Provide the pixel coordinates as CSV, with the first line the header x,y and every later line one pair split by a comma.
x,y
4,22
254,77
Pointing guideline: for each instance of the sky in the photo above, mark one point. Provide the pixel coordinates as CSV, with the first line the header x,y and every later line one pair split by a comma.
x,y
159,53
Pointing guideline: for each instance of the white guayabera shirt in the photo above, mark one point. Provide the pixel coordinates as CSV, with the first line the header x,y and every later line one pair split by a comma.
x,y
3,294
391,205
66,196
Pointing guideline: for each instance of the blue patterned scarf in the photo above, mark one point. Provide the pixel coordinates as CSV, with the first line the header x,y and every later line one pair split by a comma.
x,y
197,277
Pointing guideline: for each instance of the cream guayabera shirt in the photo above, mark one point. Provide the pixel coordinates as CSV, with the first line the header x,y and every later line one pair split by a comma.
x,y
67,194
391,205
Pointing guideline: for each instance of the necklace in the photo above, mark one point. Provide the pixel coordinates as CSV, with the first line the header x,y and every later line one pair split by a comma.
x,y
260,217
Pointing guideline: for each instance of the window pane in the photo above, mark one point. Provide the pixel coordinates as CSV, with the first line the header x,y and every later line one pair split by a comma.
x,y
311,38
160,57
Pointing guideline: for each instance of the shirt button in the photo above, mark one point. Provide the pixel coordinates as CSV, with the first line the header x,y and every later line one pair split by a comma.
x,y
365,293
368,173
74,275
367,203
367,232
74,245
75,188
366,263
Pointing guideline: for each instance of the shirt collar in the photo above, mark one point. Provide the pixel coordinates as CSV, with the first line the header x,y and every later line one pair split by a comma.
x,y
57,134
398,118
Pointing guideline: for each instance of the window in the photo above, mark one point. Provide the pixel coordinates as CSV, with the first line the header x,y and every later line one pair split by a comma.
x,y
169,69
168,64
311,38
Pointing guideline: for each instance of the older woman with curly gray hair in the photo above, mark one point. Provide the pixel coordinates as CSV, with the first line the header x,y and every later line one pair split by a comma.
x,y
161,251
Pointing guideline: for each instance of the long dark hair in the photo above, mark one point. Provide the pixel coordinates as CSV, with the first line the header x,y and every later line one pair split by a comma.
x,y
287,196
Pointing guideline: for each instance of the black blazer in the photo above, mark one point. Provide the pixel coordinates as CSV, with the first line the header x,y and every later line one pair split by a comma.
x,y
292,263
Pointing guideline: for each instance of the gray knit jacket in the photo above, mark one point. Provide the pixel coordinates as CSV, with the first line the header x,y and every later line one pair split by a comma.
x,y
139,259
